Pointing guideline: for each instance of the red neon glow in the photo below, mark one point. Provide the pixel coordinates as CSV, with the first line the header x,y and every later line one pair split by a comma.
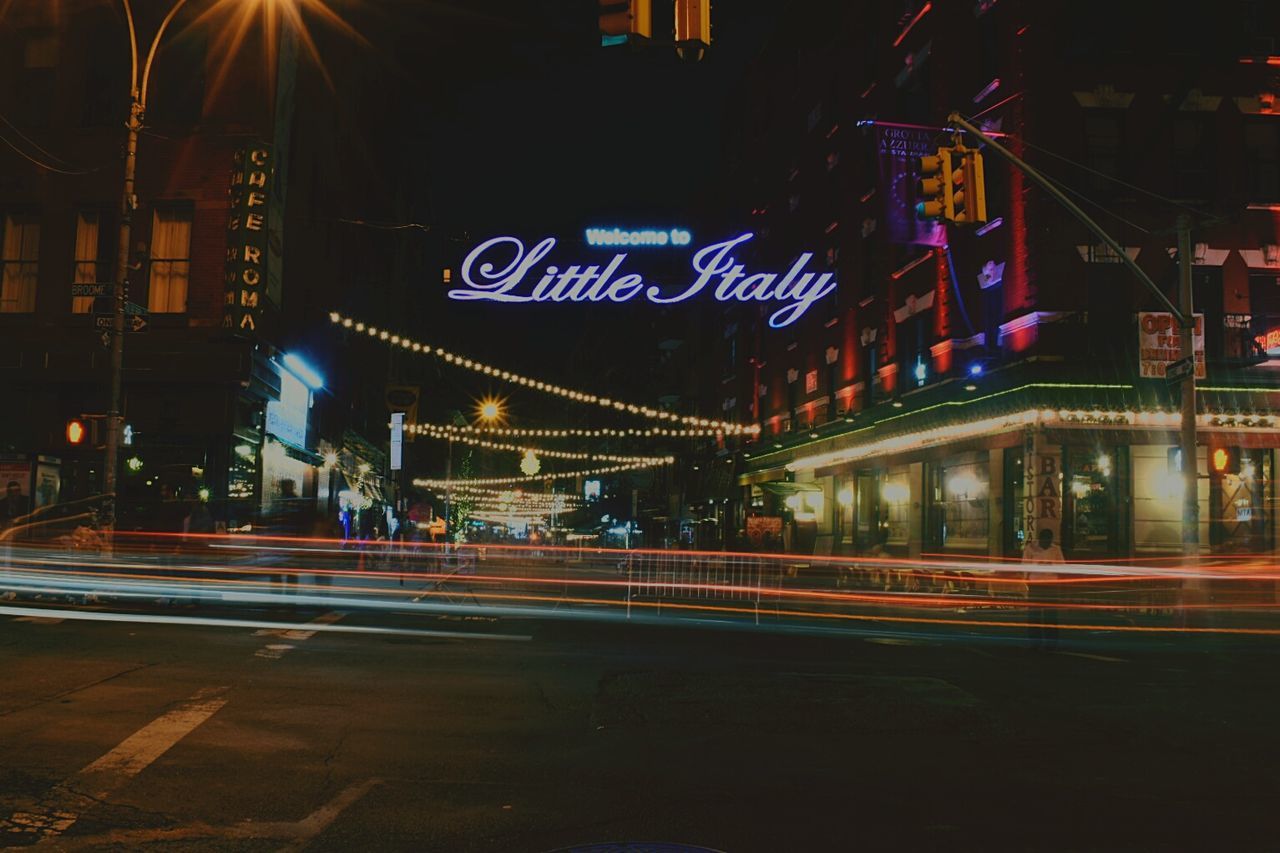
x,y
1269,341
923,9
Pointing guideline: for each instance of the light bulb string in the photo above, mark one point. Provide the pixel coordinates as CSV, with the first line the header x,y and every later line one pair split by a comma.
x,y
536,384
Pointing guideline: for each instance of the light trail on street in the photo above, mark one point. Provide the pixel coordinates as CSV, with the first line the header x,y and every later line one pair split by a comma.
x,y
764,591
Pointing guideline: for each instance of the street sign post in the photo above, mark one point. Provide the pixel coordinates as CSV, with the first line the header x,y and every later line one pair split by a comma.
x,y
132,322
1178,371
92,289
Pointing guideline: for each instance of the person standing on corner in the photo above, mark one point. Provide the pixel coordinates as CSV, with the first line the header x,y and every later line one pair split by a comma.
x,y
1043,615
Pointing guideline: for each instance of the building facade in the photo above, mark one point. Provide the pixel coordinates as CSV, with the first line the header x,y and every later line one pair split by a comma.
x,y
965,387
211,405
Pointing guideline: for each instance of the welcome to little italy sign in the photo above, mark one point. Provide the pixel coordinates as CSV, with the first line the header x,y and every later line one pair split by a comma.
x,y
503,269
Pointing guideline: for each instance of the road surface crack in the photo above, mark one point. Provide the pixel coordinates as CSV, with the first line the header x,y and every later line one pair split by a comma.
x,y
73,690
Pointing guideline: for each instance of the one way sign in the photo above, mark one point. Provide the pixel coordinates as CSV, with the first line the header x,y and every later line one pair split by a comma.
x,y
132,323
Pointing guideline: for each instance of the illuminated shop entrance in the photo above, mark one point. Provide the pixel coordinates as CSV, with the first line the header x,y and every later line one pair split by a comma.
x,y
1095,520
1240,498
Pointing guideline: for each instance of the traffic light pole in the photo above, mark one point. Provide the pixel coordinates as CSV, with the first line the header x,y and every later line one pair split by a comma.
x,y
1183,314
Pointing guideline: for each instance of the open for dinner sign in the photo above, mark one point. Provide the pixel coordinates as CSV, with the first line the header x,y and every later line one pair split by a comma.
x,y
1159,343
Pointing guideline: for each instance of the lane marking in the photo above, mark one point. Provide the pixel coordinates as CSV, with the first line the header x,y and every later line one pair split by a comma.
x,y
209,622
272,651
275,651
297,834
300,634
64,804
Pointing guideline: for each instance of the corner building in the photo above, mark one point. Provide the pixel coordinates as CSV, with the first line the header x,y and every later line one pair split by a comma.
x,y
208,403
965,387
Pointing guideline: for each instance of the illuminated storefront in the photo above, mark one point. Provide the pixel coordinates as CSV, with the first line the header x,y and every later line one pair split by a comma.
x,y
978,477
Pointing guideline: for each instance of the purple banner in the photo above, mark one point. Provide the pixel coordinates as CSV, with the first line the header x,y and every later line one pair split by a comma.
x,y
897,149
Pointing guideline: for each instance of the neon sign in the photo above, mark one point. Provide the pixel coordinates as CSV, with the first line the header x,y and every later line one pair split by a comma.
x,y
500,269
1270,341
638,237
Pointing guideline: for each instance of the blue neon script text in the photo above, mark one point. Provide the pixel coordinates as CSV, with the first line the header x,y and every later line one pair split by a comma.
x,y
501,270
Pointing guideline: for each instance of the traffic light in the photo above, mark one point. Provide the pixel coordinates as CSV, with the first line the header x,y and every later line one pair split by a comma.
x,y
77,432
1226,460
693,28
934,189
621,19
969,195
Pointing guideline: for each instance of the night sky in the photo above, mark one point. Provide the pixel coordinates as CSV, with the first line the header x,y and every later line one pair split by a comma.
x,y
529,127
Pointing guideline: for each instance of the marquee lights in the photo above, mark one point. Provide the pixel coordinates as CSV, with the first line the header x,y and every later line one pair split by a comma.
x,y
559,475
521,432
537,385
431,431
500,268
1003,423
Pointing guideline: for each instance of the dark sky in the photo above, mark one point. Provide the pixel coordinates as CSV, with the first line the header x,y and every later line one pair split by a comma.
x,y
546,128
527,126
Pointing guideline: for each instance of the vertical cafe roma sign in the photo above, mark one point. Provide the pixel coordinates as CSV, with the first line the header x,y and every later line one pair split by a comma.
x,y
503,269
246,270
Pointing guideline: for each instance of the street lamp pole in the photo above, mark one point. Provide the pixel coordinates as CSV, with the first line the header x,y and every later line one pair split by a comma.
x,y
128,203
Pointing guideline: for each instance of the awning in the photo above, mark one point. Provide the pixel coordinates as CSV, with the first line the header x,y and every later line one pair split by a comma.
x,y
784,489
755,478
294,451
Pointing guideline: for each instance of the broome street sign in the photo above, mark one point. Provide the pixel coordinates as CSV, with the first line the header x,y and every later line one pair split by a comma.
x,y
502,270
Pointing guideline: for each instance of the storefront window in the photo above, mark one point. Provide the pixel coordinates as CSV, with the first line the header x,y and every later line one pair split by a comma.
x,y
895,506
1092,508
1015,526
845,512
1157,500
959,489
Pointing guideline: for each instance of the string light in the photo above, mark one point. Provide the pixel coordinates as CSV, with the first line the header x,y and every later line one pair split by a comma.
x,y
560,475
537,384
431,431
567,432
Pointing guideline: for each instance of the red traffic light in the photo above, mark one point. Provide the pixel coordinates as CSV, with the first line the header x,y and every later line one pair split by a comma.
x,y
76,431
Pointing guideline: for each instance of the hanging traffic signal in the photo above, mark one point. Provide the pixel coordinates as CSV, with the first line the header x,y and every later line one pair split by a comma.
x,y
693,28
934,189
969,197
77,432
621,19
1226,460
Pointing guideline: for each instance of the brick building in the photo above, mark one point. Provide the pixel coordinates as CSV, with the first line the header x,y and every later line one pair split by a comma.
x,y
948,361
207,407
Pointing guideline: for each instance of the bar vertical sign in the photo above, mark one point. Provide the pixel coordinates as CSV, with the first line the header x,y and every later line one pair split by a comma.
x,y
397,441
246,271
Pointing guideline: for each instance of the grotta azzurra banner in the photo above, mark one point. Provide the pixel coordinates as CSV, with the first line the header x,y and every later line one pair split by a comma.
x,y
504,269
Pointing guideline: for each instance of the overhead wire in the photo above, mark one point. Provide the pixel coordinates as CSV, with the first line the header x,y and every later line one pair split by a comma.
x,y
73,170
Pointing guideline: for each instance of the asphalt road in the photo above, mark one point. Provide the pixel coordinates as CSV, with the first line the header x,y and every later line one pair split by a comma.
x,y
124,735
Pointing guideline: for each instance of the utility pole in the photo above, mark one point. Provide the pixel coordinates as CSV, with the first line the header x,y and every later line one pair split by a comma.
x,y
128,203
1187,433
1182,314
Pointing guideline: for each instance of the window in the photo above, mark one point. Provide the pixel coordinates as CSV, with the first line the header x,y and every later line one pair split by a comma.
x,y
1262,160
1103,148
1191,157
39,63
20,263
90,266
170,260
